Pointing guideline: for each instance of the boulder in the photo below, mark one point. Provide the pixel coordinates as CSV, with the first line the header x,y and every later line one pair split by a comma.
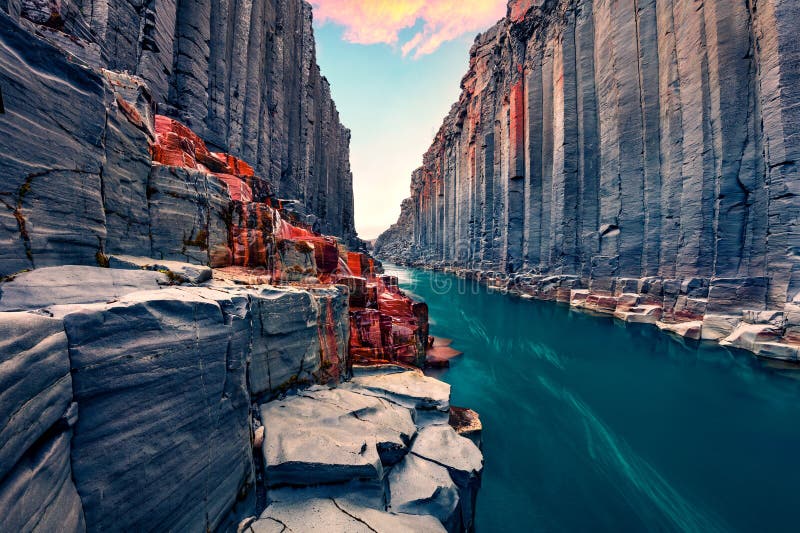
x,y
330,436
441,444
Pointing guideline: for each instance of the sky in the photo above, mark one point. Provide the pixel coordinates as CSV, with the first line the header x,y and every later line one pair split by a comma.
x,y
395,68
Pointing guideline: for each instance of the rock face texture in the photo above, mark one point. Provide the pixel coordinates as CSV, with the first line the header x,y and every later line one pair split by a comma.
x,y
383,458
622,147
130,408
241,74
168,170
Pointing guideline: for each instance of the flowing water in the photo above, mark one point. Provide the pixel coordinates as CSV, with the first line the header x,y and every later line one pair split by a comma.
x,y
592,425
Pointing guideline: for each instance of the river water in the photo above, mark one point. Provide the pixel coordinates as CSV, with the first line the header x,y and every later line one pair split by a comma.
x,y
592,425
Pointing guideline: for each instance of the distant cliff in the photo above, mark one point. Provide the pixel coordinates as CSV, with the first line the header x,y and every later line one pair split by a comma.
x,y
618,139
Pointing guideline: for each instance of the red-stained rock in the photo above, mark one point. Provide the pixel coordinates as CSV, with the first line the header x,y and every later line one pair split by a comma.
x,y
239,189
358,290
236,166
326,254
266,244
519,8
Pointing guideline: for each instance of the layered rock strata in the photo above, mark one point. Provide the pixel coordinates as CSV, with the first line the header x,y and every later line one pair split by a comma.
x,y
139,415
645,152
149,403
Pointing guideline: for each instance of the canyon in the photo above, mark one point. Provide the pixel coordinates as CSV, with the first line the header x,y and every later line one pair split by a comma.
x,y
637,158
192,336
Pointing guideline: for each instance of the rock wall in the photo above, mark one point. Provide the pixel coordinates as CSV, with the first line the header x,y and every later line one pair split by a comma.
x,y
645,147
241,73
128,406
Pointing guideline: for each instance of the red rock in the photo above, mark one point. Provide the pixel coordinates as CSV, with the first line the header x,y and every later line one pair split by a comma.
x,y
237,166
239,190
358,290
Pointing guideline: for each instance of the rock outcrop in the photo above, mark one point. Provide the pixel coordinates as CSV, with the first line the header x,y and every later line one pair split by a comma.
x,y
241,74
155,402
369,449
646,152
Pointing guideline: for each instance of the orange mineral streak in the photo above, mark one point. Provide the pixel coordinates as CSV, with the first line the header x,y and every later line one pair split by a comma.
x,y
268,245
328,342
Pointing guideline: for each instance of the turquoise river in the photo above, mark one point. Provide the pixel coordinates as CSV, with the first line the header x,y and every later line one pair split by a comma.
x,y
592,425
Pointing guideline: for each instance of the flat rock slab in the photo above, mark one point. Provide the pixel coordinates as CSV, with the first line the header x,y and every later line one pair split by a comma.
x,y
419,486
331,515
68,285
175,270
410,389
328,436
442,445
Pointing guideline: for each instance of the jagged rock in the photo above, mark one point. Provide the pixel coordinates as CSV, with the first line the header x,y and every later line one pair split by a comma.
x,y
645,147
462,459
49,286
419,486
174,270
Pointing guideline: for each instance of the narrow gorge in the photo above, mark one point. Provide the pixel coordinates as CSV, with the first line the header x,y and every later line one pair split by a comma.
x,y
636,158
192,335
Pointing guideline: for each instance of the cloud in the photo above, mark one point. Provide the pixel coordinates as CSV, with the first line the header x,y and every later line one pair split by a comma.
x,y
382,21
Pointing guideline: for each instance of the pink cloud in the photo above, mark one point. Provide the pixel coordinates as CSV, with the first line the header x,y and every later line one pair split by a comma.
x,y
381,21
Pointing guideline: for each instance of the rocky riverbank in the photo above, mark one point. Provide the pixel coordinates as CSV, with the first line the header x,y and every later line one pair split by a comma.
x,y
686,308
180,398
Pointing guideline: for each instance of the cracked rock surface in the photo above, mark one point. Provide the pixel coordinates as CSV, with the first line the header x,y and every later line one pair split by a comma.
x,y
371,444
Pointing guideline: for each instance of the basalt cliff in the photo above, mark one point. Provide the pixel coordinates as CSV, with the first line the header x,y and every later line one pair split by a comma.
x,y
191,337
634,157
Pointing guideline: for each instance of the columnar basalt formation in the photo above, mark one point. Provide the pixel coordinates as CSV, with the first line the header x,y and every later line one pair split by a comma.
x,y
242,74
642,148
